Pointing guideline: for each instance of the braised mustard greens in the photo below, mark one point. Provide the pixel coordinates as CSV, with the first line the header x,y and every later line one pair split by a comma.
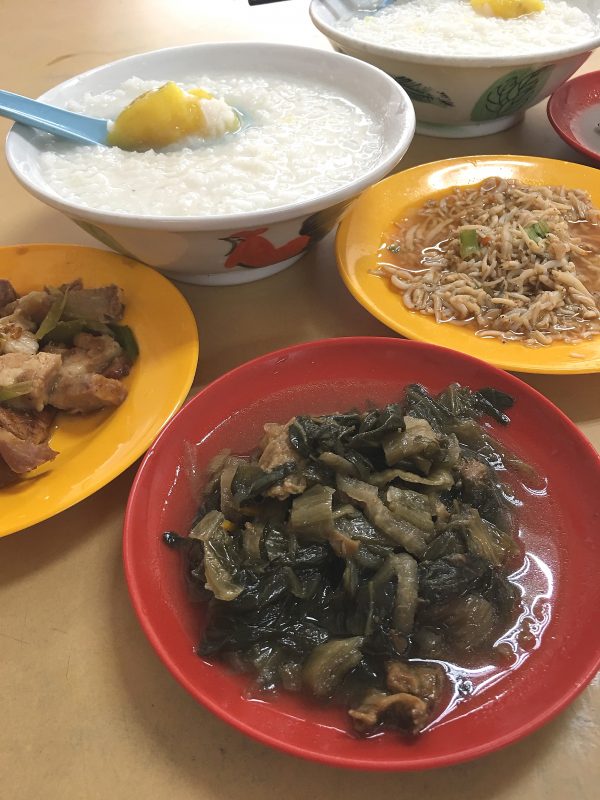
x,y
354,555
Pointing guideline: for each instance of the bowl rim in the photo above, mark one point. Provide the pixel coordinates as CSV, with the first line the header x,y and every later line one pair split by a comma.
x,y
218,222
532,724
558,99
383,51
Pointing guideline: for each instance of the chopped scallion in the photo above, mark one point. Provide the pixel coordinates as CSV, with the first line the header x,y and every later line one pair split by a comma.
x,y
469,243
537,231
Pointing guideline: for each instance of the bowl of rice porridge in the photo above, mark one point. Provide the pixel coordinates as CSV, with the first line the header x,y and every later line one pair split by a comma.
x,y
471,67
314,129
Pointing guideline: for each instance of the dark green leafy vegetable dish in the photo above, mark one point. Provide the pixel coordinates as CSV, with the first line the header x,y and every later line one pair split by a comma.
x,y
355,556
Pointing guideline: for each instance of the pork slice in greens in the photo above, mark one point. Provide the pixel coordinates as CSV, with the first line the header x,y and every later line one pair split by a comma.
x,y
276,451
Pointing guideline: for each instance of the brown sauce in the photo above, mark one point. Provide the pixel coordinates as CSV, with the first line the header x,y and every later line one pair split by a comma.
x,y
588,269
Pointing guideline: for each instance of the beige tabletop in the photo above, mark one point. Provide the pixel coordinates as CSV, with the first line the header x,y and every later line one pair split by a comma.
x,y
86,708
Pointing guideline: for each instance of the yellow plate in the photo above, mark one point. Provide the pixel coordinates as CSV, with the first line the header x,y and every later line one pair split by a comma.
x,y
95,448
361,234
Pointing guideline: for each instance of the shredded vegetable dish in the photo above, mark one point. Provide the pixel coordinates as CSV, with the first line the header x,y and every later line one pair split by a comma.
x,y
514,261
355,556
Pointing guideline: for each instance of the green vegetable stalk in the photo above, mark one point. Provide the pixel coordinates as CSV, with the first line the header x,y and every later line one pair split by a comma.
x,y
53,316
16,390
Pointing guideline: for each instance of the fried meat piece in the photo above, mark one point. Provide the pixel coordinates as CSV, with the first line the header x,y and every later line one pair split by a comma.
x,y
97,305
22,456
32,306
81,387
38,372
7,476
100,305
90,354
80,394
34,426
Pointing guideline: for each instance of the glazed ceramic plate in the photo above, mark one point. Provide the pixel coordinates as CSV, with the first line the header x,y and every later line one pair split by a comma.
x,y
361,233
559,539
574,111
93,449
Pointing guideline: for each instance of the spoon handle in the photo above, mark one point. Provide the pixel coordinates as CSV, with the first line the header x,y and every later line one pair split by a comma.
x,y
67,124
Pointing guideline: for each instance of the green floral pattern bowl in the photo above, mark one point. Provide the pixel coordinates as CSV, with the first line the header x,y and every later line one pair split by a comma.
x,y
460,96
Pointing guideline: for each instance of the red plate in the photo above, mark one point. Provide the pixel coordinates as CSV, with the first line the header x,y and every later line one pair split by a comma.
x,y
574,111
561,532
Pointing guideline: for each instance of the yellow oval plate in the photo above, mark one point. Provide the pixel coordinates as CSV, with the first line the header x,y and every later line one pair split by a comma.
x,y
362,230
95,448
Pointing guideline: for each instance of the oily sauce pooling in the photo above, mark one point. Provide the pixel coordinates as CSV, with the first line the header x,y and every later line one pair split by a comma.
x,y
365,558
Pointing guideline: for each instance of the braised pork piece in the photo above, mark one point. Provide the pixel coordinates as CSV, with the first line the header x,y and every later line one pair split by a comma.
x,y
61,349
358,556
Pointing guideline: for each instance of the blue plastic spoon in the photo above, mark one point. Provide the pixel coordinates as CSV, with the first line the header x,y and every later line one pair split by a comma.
x,y
77,127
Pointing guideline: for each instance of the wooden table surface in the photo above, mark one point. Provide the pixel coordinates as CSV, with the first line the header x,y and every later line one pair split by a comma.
x,y
87,710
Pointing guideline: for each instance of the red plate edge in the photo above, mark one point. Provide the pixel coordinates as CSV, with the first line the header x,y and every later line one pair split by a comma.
x,y
329,759
558,106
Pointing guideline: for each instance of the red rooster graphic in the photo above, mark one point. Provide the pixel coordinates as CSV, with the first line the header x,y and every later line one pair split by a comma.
x,y
251,249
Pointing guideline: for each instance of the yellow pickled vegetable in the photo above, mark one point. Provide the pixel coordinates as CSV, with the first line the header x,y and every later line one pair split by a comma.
x,y
165,115
507,9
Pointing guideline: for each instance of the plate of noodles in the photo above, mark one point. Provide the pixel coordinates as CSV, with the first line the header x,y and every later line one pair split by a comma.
x,y
495,256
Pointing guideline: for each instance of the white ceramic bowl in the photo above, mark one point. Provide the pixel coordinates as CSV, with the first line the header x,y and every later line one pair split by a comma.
x,y
195,248
460,96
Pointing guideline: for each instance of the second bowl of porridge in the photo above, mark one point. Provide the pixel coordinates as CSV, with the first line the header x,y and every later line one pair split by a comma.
x,y
313,129
471,67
